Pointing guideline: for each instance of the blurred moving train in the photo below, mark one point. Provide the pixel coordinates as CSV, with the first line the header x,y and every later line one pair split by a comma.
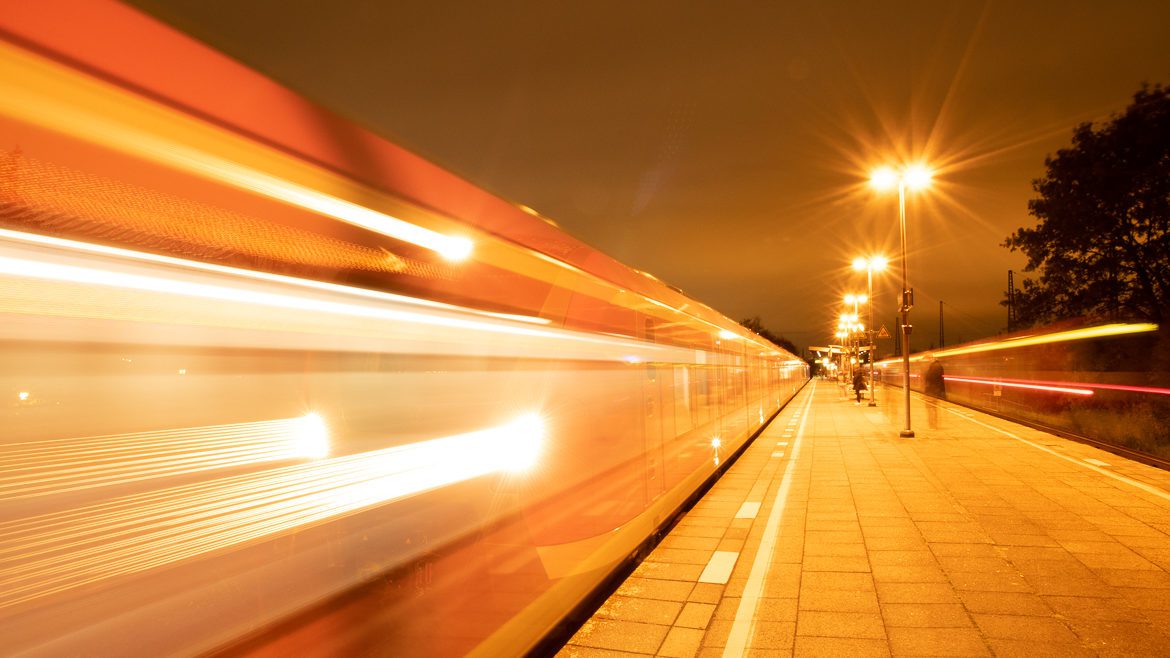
x,y
1108,384
272,385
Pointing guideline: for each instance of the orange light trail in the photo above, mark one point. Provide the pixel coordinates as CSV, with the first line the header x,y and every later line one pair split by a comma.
x,y
52,553
1101,331
51,276
256,275
41,468
1055,387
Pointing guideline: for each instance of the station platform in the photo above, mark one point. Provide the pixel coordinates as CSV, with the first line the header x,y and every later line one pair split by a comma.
x,y
832,536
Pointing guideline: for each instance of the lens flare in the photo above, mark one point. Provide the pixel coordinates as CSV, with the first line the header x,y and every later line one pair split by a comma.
x,y
521,442
455,249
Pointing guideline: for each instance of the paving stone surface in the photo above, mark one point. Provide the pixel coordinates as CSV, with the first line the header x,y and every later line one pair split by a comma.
x,y
977,537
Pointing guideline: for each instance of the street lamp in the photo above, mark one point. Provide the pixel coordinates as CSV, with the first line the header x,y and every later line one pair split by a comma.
x,y
914,177
871,265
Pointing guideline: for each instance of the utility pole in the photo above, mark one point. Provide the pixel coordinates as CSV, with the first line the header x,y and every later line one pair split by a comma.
x,y
941,343
1011,301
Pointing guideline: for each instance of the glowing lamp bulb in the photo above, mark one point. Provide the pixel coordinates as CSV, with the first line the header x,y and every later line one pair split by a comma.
x,y
716,443
883,178
917,177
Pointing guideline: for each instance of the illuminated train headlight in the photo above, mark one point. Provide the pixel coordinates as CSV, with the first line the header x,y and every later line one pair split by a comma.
x,y
520,443
311,437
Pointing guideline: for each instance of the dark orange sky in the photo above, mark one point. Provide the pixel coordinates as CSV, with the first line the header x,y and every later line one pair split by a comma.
x,y
724,146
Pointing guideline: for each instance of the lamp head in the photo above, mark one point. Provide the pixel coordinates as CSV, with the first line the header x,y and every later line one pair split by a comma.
x,y
914,177
883,178
917,177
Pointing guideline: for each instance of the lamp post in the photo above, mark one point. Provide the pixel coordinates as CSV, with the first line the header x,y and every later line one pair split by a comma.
x,y
854,327
913,177
841,336
870,265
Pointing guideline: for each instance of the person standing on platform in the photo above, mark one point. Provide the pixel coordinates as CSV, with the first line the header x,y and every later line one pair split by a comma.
x,y
934,384
858,384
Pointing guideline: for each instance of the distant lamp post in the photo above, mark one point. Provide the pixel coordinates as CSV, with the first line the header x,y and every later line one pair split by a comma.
x,y
853,328
871,265
914,177
841,336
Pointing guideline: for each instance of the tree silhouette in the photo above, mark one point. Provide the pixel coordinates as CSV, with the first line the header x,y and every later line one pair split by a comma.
x,y
757,327
1101,246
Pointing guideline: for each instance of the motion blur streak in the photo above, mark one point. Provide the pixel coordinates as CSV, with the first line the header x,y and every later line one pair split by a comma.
x,y
39,108
52,553
1055,387
172,286
40,468
1103,331
1133,389
105,250
1087,385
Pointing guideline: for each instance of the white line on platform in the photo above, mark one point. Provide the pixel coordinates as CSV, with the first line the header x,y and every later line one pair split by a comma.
x,y
745,615
781,443
748,511
718,569
777,454
1096,462
1120,478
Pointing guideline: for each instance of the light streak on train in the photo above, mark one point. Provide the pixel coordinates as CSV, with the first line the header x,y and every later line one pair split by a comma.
x,y
1101,331
1055,387
1083,388
42,468
144,257
70,276
34,269
50,553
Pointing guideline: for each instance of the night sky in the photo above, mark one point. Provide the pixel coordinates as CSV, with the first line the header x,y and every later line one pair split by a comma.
x,y
725,146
